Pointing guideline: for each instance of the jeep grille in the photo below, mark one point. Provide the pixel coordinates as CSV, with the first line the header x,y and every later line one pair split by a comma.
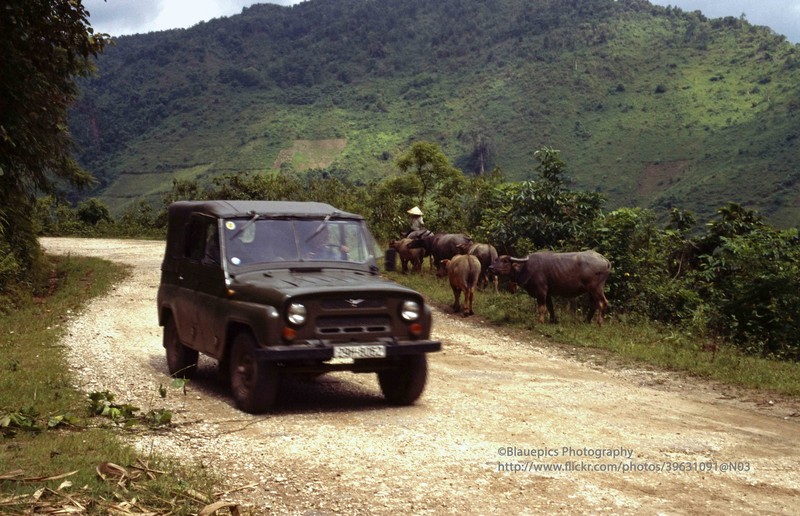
x,y
332,325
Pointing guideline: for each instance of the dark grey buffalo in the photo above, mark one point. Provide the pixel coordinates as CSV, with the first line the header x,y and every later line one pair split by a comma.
x,y
486,254
441,246
544,275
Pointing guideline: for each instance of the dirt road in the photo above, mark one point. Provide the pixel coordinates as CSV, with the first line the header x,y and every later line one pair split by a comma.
x,y
504,425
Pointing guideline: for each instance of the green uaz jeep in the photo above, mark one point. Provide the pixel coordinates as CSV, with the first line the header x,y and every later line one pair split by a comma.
x,y
269,288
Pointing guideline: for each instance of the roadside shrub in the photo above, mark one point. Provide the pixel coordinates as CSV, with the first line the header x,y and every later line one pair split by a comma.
x,y
753,283
542,214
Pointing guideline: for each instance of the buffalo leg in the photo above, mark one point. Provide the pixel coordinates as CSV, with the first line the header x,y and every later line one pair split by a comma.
x,y
593,305
457,299
542,306
602,305
550,309
469,295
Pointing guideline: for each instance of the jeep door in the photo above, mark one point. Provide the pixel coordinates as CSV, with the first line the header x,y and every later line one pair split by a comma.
x,y
209,296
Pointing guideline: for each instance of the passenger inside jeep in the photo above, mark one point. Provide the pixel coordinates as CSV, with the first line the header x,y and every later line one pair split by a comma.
x,y
259,241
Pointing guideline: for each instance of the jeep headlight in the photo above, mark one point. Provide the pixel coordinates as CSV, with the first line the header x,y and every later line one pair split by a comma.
x,y
410,311
297,314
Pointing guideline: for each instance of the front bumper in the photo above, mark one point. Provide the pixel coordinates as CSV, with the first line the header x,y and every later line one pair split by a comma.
x,y
323,350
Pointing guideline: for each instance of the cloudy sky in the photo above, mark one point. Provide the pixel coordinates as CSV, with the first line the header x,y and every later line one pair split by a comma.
x,y
782,16
120,17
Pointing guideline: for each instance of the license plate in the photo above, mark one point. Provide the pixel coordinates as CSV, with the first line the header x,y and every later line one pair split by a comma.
x,y
359,352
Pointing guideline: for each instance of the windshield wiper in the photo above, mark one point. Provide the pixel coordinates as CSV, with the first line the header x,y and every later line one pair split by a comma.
x,y
246,225
319,228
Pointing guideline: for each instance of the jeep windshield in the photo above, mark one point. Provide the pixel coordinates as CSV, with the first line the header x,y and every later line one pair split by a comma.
x,y
256,240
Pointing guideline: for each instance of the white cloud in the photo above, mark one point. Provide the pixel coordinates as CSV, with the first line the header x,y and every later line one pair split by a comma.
x,y
120,17
782,16
117,17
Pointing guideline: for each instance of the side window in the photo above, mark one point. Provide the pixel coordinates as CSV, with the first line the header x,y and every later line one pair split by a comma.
x,y
201,242
211,250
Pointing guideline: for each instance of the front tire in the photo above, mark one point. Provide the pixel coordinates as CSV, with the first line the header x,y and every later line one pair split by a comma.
x,y
404,384
254,385
181,360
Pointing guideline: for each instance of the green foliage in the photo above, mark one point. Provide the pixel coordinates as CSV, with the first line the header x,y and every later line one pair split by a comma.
x,y
140,219
388,203
102,404
93,212
89,218
643,281
10,270
752,277
426,162
738,281
46,45
439,183
542,214
24,419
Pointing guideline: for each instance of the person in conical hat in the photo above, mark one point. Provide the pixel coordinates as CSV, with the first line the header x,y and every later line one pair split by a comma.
x,y
416,218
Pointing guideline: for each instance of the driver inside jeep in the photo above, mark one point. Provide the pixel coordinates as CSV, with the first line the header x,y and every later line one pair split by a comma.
x,y
319,245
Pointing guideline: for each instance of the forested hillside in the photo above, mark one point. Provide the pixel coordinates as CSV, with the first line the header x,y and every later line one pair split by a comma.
x,y
649,106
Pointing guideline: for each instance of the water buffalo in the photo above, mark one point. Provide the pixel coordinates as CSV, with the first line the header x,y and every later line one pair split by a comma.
x,y
463,271
487,254
547,274
407,255
417,235
442,246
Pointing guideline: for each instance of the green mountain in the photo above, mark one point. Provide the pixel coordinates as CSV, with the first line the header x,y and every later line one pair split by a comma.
x,y
651,106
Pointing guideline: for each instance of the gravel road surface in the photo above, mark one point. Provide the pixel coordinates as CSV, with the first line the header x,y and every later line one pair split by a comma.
x,y
506,425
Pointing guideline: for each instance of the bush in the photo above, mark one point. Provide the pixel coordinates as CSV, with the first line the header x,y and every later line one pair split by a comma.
x,y
753,282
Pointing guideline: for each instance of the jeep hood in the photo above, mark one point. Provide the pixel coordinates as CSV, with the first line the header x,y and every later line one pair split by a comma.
x,y
273,284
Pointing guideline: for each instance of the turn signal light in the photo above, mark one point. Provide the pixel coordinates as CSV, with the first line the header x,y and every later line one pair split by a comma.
x,y
415,329
289,333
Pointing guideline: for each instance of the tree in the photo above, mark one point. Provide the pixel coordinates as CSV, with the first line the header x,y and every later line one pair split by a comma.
x,y
387,205
93,211
46,45
542,214
430,166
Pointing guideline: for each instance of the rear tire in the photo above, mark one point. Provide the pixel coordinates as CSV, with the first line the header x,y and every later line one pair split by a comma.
x,y
404,384
254,386
181,360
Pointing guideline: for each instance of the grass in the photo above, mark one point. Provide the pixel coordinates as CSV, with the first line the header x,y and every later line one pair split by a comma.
x,y
624,341
52,443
